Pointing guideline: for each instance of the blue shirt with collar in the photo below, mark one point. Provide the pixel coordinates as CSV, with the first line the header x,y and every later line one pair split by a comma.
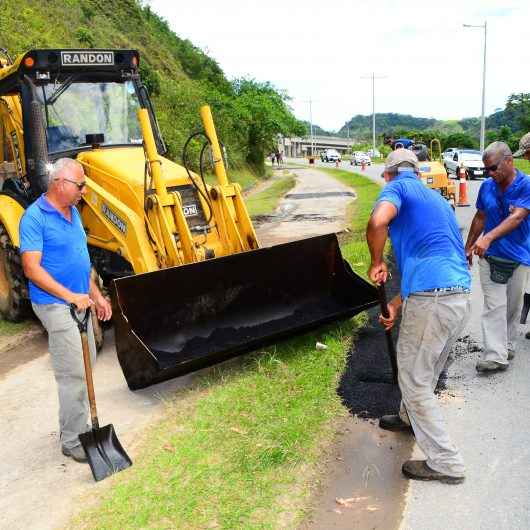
x,y
425,237
63,245
497,206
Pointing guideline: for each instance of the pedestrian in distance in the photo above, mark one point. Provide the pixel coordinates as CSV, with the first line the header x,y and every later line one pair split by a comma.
x,y
500,236
435,302
56,262
273,158
524,152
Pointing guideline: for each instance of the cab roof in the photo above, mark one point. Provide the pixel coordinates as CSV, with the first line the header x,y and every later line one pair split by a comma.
x,y
39,64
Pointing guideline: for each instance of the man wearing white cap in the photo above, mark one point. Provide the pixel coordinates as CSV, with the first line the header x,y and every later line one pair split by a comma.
x,y
435,297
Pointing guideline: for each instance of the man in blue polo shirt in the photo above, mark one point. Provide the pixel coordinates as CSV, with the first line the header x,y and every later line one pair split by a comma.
x,y
500,236
56,262
435,284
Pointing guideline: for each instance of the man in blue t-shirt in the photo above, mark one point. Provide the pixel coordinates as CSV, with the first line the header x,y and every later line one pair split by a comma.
x,y
500,236
435,295
56,262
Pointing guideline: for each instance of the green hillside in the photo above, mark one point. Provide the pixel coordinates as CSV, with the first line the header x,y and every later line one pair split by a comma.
x,y
507,125
179,76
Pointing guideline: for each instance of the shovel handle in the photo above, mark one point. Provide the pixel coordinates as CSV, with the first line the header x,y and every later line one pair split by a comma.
x,y
82,324
388,332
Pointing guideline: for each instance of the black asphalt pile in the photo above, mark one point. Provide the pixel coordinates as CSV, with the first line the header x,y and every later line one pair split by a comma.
x,y
366,386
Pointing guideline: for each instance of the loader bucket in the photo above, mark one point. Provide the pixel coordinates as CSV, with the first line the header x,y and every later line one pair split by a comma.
x,y
177,320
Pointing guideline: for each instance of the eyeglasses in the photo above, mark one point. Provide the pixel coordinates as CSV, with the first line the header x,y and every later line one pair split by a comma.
x,y
80,185
494,167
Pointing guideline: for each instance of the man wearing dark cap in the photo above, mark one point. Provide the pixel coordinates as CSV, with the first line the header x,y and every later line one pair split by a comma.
x,y
435,299
500,236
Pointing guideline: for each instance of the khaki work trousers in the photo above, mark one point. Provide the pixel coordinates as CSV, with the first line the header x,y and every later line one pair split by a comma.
x,y
64,344
430,325
501,312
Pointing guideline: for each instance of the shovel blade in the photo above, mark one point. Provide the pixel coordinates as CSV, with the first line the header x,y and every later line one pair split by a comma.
x,y
104,451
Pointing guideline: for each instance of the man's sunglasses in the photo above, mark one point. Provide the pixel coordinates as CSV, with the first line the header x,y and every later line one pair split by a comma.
x,y
80,185
494,167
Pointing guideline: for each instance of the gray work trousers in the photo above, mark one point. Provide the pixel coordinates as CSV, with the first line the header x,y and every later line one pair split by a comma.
x,y
64,344
430,325
501,312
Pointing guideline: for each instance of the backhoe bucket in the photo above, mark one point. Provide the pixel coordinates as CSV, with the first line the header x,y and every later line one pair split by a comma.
x,y
177,320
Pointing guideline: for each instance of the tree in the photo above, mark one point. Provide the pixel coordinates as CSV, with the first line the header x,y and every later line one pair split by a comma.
x,y
517,112
262,112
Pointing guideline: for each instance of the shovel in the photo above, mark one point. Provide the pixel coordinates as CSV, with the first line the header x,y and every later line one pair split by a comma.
x,y
102,447
389,342
370,377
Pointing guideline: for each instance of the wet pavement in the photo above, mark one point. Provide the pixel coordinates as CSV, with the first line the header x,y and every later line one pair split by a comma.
x,y
316,205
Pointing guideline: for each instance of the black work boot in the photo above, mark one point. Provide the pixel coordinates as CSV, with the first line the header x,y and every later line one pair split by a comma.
x,y
419,470
392,422
77,453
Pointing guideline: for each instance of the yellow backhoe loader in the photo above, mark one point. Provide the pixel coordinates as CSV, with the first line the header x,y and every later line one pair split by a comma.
x,y
189,284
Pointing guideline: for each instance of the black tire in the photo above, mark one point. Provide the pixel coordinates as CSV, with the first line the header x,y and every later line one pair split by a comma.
x,y
14,299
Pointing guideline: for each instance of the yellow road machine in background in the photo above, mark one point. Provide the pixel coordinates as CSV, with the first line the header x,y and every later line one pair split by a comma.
x,y
432,171
189,284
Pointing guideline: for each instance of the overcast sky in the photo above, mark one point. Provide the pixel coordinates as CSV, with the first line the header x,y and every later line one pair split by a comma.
x,y
321,49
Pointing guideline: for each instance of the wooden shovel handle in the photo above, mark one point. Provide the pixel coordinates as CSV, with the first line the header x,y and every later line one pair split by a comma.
x,y
83,325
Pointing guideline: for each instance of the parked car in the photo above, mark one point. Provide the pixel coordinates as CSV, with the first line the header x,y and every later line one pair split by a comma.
x,y
359,158
469,159
449,153
330,155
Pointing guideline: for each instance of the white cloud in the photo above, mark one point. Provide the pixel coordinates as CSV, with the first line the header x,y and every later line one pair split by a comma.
x,y
433,66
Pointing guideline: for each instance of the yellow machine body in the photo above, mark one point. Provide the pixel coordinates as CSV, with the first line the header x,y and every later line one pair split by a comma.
x,y
190,285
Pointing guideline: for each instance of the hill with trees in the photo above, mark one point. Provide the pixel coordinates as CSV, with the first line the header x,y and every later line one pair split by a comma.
x,y
179,76
507,125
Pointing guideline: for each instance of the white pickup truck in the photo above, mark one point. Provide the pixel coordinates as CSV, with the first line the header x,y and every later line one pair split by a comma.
x,y
330,155
470,159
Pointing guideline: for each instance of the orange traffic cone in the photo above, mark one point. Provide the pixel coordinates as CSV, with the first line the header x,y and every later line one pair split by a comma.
x,y
363,165
462,188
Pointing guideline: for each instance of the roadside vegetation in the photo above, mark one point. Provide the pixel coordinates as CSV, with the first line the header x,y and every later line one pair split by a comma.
x,y
265,202
241,448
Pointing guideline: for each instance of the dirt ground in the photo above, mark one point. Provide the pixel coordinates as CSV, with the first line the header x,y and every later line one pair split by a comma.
x,y
40,489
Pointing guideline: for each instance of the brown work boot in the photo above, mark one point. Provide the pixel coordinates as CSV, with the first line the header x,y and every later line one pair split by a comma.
x,y
511,355
392,422
419,470
490,366
77,453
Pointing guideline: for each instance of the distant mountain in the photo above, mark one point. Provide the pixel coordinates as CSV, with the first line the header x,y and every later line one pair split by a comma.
x,y
317,130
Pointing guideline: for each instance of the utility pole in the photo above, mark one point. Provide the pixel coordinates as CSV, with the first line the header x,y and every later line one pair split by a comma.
x,y
311,125
373,77
482,115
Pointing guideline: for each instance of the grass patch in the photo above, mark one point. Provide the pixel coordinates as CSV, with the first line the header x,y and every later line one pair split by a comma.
x,y
11,328
244,176
265,201
239,449
522,164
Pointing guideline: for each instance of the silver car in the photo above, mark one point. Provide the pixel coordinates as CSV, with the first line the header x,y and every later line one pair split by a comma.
x,y
469,159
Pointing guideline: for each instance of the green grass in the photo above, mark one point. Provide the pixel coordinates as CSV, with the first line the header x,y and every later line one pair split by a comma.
x,y
241,448
12,328
522,164
265,201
